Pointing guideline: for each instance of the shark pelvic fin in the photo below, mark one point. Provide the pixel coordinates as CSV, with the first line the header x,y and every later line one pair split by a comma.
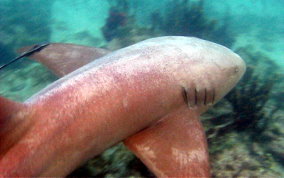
x,y
62,58
175,147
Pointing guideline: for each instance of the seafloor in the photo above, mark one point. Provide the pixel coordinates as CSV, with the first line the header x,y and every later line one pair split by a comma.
x,y
245,130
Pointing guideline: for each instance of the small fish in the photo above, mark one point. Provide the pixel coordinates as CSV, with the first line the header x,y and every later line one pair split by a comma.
x,y
148,95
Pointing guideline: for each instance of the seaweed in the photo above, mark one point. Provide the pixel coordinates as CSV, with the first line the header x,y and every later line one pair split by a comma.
x,y
118,17
188,18
250,99
115,20
248,102
249,126
20,27
185,18
121,5
181,17
114,162
121,28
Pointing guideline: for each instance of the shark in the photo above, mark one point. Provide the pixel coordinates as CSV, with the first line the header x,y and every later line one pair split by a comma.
x,y
149,95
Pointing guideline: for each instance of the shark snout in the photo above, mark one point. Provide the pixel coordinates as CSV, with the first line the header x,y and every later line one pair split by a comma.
x,y
232,70
238,68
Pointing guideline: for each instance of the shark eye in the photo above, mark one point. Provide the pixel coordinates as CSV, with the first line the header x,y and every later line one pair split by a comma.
x,y
235,70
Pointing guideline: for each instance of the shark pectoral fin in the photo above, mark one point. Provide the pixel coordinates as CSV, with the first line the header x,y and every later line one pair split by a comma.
x,y
62,58
174,147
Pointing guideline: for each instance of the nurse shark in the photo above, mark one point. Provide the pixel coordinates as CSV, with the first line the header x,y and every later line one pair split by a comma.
x,y
149,95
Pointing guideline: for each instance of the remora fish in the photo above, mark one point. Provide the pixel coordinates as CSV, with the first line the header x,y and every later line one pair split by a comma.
x,y
150,95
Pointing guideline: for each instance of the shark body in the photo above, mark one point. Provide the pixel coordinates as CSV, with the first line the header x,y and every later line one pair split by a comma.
x,y
149,95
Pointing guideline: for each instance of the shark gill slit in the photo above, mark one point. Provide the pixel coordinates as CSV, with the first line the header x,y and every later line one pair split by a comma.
x,y
195,96
185,96
205,96
213,97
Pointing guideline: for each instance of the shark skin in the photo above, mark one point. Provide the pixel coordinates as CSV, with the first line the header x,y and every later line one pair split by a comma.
x,y
150,95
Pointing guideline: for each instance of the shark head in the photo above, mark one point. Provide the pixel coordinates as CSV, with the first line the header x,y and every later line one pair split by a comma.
x,y
205,70
213,70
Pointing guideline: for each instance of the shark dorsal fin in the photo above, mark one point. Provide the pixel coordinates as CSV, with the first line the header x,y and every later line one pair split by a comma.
x,y
63,58
174,147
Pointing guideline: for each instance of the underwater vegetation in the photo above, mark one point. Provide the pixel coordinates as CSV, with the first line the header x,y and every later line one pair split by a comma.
x,y
35,76
121,28
116,162
27,28
251,115
188,18
21,29
180,17
115,20
118,17
250,99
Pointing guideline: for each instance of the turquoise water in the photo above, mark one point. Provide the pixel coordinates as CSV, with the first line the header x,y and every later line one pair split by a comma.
x,y
251,145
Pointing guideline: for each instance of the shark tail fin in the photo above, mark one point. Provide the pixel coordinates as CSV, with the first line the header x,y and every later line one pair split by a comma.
x,y
174,147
